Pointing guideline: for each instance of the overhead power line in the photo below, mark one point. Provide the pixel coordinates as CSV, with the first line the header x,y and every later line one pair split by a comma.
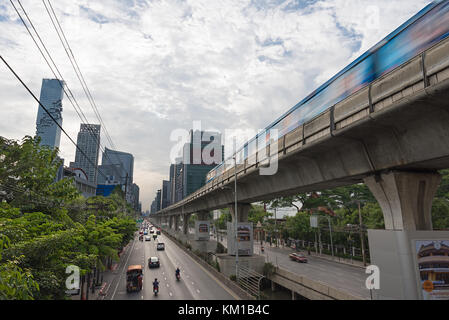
x,y
45,109
76,67
79,74
69,95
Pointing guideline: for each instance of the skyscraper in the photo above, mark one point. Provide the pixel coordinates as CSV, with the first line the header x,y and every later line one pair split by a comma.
x,y
89,142
195,167
165,194
51,98
124,163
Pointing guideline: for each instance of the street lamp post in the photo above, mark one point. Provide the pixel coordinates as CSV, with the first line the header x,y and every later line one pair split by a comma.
x,y
362,242
330,231
236,220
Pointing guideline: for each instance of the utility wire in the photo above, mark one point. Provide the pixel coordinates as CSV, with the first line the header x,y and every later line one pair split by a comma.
x,y
80,77
45,109
82,115
60,75
76,68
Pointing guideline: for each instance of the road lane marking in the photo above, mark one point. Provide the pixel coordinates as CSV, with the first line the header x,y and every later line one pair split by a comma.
x,y
197,290
170,294
235,296
120,278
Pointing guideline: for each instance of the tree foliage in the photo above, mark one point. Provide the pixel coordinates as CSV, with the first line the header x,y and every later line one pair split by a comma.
x,y
47,225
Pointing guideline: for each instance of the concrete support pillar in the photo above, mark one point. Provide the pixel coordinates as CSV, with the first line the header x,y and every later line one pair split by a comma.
x,y
176,223
293,295
273,286
185,223
170,222
242,214
405,198
406,202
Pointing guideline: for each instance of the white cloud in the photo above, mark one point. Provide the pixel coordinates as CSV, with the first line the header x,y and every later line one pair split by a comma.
x,y
154,66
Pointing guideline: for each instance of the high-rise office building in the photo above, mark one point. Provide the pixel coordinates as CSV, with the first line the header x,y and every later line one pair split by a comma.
x,y
52,93
89,142
195,167
124,168
176,181
135,190
165,194
158,200
172,183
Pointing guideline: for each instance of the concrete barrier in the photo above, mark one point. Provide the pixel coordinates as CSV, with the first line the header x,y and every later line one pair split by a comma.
x,y
308,288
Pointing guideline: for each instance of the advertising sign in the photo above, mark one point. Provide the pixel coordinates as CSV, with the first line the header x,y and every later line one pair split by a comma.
x,y
314,221
432,257
202,230
244,239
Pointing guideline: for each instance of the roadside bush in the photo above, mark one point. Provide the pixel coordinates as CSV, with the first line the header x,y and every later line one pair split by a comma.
x,y
268,269
221,248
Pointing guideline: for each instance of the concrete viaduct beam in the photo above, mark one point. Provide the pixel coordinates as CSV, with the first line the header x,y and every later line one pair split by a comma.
x,y
242,211
405,198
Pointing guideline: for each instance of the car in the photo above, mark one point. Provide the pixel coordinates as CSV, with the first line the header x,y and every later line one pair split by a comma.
x,y
158,232
160,246
298,257
147,238
145,232
153,262
151,231
140,232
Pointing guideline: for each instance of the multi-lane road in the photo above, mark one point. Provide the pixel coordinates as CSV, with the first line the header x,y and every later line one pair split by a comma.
x,y
196,282
348,278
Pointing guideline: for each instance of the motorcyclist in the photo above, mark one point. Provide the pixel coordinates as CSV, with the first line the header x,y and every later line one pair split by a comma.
x,y
155,285
262,249
178,272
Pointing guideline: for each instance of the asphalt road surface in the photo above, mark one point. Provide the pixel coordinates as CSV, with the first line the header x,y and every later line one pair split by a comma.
x,y
350,279
196,282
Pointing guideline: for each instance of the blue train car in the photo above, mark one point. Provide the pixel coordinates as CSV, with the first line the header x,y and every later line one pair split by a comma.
x,y
422,31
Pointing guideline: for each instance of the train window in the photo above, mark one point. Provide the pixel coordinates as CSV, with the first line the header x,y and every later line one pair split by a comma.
x,y
252,150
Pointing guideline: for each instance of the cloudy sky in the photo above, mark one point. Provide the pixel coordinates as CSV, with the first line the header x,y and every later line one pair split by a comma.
x,y
157,66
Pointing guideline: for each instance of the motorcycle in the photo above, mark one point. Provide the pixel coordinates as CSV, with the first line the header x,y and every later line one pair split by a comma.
x,y
178,277
155,290
262,249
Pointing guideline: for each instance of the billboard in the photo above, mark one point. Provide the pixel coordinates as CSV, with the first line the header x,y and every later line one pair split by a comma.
x,y
432,258
244,238
202,229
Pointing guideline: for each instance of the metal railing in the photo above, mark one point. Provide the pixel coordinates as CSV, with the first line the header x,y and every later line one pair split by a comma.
x,y
249,280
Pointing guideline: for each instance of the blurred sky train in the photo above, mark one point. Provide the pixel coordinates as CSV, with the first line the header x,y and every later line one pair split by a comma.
x,y
417,34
